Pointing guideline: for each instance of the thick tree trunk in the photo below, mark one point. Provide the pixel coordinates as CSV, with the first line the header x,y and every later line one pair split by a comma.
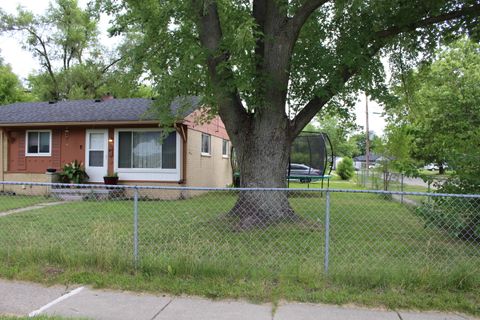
x,y
263,160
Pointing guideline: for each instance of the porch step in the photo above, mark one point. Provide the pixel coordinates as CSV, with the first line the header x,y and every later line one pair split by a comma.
x,y
79,194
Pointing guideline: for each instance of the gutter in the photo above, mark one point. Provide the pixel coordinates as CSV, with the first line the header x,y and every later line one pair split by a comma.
x,y
77,123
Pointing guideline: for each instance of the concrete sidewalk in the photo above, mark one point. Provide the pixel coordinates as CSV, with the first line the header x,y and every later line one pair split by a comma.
x,y
22,298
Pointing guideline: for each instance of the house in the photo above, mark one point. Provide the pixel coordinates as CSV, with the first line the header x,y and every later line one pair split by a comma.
x,y
113,135
361,161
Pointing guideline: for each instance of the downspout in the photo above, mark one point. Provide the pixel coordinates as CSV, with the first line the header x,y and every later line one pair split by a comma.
x,y
182,130
2,158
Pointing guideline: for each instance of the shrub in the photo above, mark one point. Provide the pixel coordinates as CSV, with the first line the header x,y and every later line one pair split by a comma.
x,y
460,217
345,169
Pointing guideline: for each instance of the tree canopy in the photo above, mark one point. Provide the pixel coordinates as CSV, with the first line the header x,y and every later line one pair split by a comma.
x,y
440,105
11,89
256,54
73,63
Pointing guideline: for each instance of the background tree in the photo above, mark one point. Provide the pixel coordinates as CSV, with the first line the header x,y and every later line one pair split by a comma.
x,y
249,60
11,89
358,140
396,149
440,104
73,63
339,129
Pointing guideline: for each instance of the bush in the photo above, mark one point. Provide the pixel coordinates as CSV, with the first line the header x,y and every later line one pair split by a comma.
x,y
345,169
460,217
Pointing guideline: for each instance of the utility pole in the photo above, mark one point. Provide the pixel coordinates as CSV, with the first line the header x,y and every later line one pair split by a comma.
x,y
367,138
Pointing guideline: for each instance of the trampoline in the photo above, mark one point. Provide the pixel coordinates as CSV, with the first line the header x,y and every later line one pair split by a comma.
x,y
311,158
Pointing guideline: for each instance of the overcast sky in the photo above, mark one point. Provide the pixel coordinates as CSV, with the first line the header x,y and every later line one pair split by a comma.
x,y
23,63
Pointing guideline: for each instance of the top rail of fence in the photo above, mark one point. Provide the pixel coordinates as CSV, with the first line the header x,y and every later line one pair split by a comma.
x,y
313,190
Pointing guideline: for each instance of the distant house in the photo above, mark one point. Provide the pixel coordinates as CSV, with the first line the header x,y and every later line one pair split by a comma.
x,y
113,135
361,161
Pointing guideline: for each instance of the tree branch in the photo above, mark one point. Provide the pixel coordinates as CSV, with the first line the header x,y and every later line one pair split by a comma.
x,y
395,30
259,14
316,104
47,63
231,109
379,39
111,64
303,13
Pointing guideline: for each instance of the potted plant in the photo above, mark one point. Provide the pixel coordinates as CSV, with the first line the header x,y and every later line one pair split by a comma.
x,y
74,172
111,179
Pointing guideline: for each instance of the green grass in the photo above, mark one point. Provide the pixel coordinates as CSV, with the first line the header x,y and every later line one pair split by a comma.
x,y
381,253
434,173
9,202
335,183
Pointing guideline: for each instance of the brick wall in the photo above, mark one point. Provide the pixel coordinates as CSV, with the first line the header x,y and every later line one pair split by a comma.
x,y
67,145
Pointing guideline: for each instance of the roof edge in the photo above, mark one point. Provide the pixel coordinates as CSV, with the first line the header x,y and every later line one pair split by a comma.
x,y
76,123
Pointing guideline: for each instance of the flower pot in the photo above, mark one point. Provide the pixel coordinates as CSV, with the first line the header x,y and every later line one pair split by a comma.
x,y
110,180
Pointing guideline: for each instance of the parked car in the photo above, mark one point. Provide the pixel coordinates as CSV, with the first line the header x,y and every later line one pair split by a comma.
x,y
431,167
298,169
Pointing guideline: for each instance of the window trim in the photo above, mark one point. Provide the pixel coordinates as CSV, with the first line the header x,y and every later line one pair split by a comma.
x,y
144,170
209,153
226,155
38,154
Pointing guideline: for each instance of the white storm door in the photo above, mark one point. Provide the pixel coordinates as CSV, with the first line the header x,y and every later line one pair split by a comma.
x,y
96,157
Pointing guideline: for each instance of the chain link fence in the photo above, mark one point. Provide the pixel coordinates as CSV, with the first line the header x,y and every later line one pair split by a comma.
x,y
240,233
377,179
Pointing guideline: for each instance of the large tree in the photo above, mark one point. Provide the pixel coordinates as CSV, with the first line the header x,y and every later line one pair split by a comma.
x,y
267,67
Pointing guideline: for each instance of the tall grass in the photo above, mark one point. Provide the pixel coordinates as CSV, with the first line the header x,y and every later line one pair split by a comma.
x,y
379,250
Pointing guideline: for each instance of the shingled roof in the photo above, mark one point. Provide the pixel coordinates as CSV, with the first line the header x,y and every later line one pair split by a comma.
x,y
113,110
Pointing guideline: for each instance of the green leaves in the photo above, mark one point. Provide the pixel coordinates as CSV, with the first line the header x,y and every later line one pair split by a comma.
x,y
345,169
72,62
441,106
10,88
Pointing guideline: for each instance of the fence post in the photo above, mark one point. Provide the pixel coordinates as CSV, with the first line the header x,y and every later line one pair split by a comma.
x,y
135,227
327,233
401,188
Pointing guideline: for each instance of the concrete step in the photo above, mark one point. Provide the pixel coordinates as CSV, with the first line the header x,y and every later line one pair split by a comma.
x,y
79,194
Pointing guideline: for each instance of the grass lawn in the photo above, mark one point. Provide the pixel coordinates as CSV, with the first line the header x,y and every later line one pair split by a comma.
x,y
9,202
434,173
381,253
335,183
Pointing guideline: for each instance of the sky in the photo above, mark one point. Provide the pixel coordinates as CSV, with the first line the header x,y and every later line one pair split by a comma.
x,y
23,63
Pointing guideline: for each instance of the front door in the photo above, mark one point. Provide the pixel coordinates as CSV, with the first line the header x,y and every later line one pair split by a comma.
x,y
96,157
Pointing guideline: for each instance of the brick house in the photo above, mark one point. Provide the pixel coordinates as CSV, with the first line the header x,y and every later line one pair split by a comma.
x,y
113,135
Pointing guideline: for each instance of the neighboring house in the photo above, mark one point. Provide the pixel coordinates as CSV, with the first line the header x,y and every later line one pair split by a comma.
x,y
113,135
361,161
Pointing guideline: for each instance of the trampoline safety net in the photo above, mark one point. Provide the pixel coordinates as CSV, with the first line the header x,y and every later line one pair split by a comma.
x,y
312,149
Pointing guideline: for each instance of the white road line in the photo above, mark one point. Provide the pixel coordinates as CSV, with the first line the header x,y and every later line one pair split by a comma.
x,y
54,302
